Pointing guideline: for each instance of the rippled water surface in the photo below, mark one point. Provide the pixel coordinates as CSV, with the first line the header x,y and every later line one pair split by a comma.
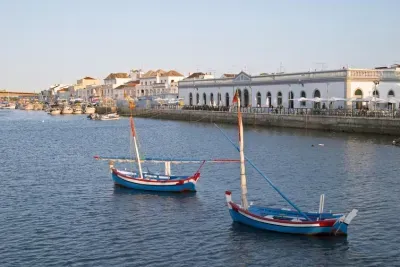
x,y
59,206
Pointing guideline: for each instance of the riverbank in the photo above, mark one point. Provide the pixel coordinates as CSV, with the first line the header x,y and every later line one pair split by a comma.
x,y
387,126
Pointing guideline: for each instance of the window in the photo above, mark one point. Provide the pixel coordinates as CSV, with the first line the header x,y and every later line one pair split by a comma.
x,y
279,98
303,94
258,99
269,100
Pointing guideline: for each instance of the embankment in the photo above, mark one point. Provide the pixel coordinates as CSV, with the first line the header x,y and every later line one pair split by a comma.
x,y
388,126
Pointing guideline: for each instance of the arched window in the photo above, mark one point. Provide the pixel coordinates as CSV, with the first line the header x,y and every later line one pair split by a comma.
x,y
204,99
211,99
269,100
227,99
303,94
291,101
190,99
258,99
219,99
358,93
279,98
197,99
391,105
246,97
317,93
375,93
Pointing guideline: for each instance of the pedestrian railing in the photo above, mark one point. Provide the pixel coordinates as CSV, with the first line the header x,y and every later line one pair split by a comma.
x,y
292,111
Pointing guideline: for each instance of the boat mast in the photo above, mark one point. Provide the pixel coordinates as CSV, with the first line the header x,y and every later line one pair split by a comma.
x,y
243,182
134,141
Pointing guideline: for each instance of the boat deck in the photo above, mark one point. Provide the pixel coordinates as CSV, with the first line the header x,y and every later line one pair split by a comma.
x,y
153,176
290,215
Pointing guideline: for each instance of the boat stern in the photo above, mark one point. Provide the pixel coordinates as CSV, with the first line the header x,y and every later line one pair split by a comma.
x,y
341,225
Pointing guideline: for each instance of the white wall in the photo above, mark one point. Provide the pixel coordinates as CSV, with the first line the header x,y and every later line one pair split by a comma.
x,y
383,88
327,90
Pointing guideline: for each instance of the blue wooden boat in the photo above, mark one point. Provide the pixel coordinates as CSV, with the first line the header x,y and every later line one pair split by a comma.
x,y
151,181
155,181
280,219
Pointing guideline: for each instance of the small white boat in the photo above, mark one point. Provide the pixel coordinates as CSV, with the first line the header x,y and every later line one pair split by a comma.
x,y
90,110
77,110
28,106
67,110
109,117
37,106
8,106
55,111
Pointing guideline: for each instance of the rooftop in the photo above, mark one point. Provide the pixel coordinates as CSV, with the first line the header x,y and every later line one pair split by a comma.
x,y
161,73
88,78
117,75
195,75
128,84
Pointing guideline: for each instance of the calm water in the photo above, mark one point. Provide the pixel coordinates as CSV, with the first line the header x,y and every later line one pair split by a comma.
x,y
59,206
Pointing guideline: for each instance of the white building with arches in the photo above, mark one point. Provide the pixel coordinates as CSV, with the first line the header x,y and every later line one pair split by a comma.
x,y
284,89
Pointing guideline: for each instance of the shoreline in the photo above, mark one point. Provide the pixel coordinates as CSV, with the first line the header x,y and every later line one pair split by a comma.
x,y
371,125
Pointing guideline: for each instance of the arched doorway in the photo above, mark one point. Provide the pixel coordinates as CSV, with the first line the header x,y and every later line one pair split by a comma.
x,y
246,97
291,101
190,99
391,106
197,99
279,98
204,99
269,99
258,99
358,95
239,92
375,94
211,99
227,99
317,93
219,99
303,103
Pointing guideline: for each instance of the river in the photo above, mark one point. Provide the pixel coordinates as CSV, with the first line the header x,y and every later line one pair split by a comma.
x,y
59,206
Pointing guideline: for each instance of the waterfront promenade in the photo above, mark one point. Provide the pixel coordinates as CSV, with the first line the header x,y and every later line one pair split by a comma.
x,y
340,120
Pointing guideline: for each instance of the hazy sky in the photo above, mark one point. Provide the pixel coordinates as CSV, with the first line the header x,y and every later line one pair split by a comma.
x,y
59,41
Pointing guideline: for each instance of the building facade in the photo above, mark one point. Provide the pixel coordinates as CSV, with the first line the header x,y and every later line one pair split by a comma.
x,y
127,89
77,90
112,81
286,89
158,82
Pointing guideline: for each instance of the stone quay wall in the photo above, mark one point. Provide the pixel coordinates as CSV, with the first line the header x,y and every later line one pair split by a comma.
x,y
387,126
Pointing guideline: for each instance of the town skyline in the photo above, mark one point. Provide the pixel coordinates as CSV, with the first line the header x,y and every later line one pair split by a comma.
x,y
63,41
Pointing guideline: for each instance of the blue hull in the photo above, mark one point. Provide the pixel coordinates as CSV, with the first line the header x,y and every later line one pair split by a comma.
x,y
237,217
189,186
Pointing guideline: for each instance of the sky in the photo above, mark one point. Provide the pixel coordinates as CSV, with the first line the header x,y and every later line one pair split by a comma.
x,y
44,42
